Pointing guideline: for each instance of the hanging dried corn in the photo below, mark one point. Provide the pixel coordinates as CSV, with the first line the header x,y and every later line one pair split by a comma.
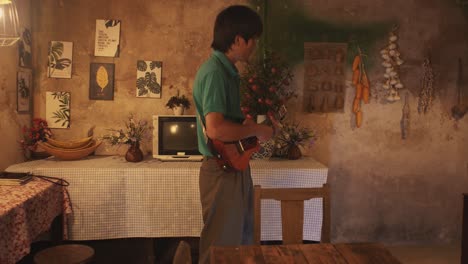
x,y
426,95
360,80
391,62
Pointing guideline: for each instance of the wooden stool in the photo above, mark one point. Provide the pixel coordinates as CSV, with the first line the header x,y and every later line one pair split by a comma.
x,y
65,254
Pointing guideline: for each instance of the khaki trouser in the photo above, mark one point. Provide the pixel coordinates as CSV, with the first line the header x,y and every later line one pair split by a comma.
x,y
227,206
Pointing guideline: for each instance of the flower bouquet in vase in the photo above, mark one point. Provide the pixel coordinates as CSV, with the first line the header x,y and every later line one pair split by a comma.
x,y
290,138
39,131
135,131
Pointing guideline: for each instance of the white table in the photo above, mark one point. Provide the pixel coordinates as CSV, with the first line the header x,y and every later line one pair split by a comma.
x,y
112,198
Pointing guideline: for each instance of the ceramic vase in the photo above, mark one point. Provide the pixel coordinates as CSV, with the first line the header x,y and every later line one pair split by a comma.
x,y
134,153
294,152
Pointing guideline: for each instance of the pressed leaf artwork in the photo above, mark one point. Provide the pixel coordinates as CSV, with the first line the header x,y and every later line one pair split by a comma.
x,y
148,83
102,78
60,59
101,81
24,85
58,109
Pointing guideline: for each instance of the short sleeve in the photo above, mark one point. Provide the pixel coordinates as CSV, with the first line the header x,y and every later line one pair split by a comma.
x,y
214,93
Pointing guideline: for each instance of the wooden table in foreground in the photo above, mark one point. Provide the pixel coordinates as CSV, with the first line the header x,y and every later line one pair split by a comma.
x,y
354,253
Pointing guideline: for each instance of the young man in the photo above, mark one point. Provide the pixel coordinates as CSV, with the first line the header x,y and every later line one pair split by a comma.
x,y
226,197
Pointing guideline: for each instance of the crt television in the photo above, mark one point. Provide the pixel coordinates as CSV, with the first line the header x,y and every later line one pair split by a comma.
x,y
175,138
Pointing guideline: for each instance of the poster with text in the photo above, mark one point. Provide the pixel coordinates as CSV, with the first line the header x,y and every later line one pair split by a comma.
x,y
60,59
148,82
58,109
107,39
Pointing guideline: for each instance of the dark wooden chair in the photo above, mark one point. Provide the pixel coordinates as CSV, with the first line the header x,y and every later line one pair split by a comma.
x,y
182,254
292,211
65,254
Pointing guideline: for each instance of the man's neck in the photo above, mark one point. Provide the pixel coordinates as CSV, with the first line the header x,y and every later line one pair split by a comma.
x,y
230,54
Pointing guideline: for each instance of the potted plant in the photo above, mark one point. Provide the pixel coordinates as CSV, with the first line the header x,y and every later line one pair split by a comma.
x,y
178,103
291,137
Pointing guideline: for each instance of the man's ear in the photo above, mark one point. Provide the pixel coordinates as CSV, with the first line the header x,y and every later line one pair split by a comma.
x,y
238,39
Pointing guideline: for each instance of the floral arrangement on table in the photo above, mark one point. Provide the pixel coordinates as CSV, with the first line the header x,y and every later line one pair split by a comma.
x,y
39,131
291,136
134,132
265,86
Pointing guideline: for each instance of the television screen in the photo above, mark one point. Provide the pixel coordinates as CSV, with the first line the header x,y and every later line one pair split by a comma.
x,y
175,136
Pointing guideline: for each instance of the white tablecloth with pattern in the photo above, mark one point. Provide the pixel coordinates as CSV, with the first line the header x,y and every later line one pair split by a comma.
x,y
112,198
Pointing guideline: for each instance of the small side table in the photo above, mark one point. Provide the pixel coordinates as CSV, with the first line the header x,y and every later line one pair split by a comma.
x,y
464,254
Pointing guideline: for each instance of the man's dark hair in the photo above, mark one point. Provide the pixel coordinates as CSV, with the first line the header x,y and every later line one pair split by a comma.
x,y
232,21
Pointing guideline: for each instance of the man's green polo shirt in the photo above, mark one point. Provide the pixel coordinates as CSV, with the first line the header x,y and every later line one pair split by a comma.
x,y
216,89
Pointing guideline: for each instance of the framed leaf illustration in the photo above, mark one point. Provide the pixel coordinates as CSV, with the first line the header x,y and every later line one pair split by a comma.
x,y
60,59
24,90
24,49
148,82
101,81
58,109
107,41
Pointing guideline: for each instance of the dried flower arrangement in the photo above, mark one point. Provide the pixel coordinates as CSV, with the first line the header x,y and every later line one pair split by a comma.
x,y
135,131
291,136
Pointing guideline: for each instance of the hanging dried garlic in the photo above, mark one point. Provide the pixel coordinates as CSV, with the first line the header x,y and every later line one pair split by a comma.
x,y
426,95
391,62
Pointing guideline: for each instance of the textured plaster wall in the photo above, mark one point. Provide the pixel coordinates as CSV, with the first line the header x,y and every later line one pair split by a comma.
x,y
10,121
178,33
383,188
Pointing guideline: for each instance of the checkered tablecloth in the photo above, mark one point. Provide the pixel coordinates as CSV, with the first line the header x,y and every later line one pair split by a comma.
x,y
26,211
113,198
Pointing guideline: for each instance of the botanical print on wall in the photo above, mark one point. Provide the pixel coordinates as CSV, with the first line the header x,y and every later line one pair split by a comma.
x,y
58,109
24,49
24,90
101,81
148,82
107,39
60,59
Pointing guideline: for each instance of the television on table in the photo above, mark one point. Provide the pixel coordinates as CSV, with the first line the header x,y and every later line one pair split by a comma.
x,y
175,138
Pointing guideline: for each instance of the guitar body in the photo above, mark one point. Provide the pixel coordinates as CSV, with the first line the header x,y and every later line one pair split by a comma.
x,y
235,155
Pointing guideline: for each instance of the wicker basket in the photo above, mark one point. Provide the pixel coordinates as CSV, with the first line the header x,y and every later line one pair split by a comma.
x,y
70,144
70,154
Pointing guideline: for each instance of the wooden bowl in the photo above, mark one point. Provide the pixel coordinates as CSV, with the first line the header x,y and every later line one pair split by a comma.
x,y
70,144
70,154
